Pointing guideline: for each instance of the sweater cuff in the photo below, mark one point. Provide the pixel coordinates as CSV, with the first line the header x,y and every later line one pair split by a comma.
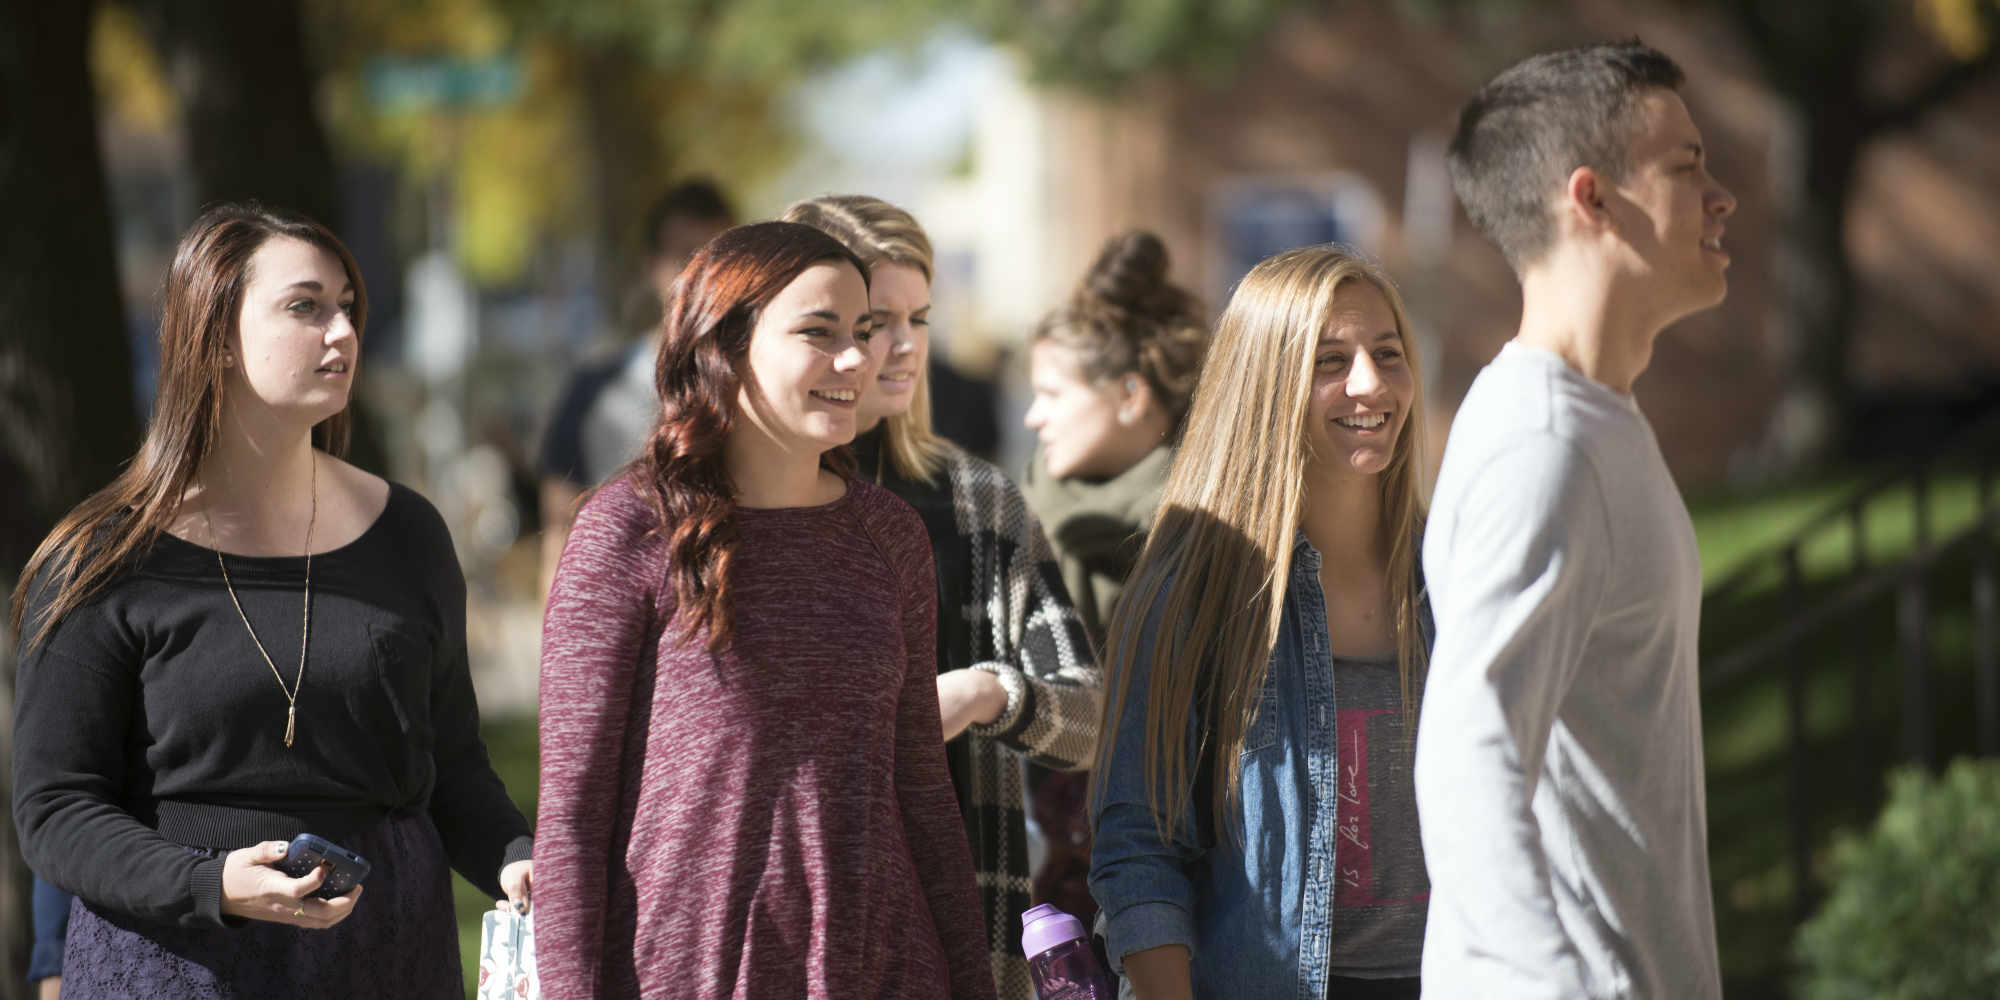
x,y
205,883
1019,697
521,848
1146,925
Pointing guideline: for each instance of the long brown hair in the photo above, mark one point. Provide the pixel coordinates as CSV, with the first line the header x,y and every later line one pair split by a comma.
x,y
680,473
117,525
1216,567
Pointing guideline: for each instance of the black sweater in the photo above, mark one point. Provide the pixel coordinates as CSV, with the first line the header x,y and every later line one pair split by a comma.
x,y
953,554
147,720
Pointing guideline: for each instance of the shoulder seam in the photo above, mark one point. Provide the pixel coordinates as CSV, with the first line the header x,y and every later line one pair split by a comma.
x,y
1588,461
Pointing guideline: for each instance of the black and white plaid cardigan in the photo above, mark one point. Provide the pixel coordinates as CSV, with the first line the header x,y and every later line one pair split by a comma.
x,y
1010,616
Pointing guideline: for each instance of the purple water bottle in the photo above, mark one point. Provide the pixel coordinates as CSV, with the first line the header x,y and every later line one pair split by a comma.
x,y
1059,957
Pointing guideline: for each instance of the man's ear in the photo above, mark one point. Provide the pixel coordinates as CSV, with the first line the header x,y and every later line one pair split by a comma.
x,y
1583,199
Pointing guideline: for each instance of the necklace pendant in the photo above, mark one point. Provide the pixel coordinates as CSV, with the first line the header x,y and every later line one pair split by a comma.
x,y
291,723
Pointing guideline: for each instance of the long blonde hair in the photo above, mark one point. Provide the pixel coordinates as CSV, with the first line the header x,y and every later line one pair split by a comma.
x,y
1213,573
880,233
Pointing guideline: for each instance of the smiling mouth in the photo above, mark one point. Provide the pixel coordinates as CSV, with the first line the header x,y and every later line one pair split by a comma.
x,y
897,378
843,397
1363,421
1712,243
336,368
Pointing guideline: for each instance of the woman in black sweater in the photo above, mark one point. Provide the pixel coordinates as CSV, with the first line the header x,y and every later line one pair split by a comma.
x,y
243,638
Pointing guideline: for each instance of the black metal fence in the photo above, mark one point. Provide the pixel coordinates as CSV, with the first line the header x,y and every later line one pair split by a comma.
x,y
1914,635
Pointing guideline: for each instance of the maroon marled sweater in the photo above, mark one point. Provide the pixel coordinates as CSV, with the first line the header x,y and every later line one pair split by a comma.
x,y
776,821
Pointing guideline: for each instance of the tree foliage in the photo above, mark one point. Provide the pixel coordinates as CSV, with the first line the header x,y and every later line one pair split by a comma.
x,y
618,98
621,96
1911,913
1105,44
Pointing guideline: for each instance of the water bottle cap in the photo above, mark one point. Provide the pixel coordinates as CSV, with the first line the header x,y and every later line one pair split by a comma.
x,y
1045,927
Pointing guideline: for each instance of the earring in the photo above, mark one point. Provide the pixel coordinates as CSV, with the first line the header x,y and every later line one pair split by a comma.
x,y
228,359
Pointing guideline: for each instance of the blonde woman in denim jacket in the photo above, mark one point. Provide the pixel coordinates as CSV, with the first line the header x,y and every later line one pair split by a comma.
x,y
1256,828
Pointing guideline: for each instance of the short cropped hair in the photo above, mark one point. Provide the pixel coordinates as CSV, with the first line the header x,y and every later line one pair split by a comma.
x,y
1520,137
694,198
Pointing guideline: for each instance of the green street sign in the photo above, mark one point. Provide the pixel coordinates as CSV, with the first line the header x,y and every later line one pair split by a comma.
x,y
397,84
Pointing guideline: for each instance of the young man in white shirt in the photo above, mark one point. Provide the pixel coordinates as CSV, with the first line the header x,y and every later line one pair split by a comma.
x,y
1559,763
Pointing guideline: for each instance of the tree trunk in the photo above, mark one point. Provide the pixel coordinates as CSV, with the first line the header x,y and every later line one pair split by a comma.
x,y
622,130
66,409
1825,294
245,84
1816,283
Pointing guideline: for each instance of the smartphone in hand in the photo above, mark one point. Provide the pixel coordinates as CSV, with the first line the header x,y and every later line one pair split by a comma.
x,y
307,852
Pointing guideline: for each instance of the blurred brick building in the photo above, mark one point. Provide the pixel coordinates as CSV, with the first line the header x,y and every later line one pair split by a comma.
x,y
1337,129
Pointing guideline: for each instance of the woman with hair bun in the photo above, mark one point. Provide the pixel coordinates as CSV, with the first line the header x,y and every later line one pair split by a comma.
x,y
743,792
1015,677
1112,370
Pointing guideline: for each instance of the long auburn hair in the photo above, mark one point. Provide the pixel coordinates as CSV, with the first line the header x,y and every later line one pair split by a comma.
x,y
680,473
880,233
203,304
1219,558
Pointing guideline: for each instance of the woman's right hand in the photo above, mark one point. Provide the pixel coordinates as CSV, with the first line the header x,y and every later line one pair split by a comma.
x,y
252,889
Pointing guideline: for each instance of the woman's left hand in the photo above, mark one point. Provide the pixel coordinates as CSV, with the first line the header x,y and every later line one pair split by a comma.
x,y
515,881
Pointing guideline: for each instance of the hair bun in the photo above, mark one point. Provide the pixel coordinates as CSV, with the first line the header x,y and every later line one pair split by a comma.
x,y
1125,317
1130,273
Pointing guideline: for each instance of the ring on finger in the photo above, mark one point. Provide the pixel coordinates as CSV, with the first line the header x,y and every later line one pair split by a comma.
x,y
300,912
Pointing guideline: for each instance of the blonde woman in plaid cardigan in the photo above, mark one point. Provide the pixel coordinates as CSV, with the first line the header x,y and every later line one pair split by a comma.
x,y
1016,678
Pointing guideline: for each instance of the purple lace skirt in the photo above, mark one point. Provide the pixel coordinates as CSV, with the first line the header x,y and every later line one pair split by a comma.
x,y
400,942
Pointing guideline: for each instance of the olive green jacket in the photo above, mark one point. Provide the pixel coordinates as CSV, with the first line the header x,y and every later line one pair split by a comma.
x,y
1097,529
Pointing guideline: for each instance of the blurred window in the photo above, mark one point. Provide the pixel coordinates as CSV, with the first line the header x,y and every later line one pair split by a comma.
x,y
1255,216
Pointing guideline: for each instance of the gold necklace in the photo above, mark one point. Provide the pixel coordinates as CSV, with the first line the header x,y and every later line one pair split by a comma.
x,y
305,627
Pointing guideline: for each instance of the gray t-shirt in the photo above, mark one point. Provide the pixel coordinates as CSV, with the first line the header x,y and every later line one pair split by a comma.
x,y
1381,894
1559,767
603,418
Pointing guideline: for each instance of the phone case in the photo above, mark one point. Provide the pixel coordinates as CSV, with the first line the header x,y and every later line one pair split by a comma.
x,y
308,852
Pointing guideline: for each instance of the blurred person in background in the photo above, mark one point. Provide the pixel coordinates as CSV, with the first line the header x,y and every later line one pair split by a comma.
x,y
170,735
743,791
1015,677
965,407
1560,763
1112,370
1255,820
607,407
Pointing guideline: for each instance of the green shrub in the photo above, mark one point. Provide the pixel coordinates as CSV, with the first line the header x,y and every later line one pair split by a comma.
x,y
1915,907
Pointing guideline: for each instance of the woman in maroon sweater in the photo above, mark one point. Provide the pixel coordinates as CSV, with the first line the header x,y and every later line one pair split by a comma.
x,y
743,793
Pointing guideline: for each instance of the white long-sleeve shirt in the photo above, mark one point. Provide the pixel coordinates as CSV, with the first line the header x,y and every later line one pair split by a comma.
x,y
1559,762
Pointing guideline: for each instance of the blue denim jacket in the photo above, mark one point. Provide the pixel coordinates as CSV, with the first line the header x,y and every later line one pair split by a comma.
x,y
1254,910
